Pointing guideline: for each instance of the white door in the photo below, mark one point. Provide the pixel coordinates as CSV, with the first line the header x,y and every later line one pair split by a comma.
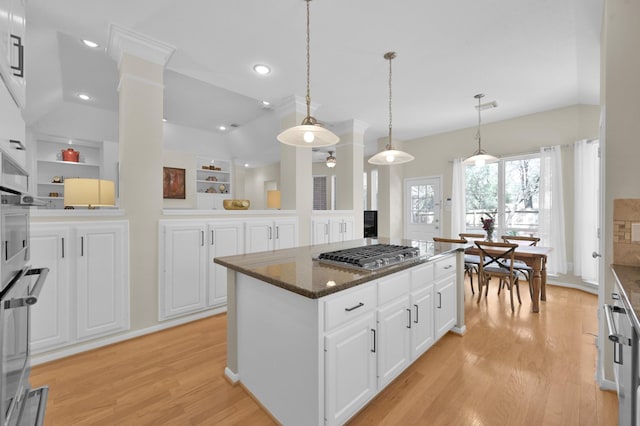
x,y
445,306
422,208
285,233
394,326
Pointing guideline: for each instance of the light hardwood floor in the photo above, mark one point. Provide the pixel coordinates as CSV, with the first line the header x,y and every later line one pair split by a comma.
x,y
508,369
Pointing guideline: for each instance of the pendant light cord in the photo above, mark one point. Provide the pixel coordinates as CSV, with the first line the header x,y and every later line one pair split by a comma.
x,y
308,98
390,56
479,97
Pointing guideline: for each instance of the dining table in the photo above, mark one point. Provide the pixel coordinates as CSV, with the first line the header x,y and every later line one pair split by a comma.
x,y
535,257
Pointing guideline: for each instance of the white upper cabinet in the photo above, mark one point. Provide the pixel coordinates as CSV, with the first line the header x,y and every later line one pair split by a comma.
x,y
12,45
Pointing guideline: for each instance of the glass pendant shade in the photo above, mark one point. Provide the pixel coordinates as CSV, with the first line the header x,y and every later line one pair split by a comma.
x,y
390,156
309,134
480,157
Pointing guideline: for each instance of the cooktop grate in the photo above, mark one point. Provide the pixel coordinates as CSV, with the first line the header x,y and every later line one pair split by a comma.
x,y
371,257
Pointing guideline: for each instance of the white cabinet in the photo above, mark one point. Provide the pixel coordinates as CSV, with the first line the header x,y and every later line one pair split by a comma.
x,y
350,368
225,239
341,229
12,45
445,295
183,268
189,280
12,127
265,235
51,316
331,229
394,330
422,327
213,182
86,294
102,258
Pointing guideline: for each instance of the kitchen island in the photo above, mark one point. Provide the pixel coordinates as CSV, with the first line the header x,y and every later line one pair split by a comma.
x,y
314,342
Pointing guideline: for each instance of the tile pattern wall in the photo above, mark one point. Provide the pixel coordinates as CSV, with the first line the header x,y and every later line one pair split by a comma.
x,y
625,212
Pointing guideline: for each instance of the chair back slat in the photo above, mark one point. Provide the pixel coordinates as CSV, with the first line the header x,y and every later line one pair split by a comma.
x,y
493,253
469,236
449,240
521,240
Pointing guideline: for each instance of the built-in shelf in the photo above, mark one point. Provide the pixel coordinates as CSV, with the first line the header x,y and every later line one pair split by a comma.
x,y
209,192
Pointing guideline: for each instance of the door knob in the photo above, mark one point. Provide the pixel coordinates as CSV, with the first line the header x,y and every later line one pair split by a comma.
x,y
595,255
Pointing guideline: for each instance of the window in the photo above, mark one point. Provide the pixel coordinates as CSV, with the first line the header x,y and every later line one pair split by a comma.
x,y
507,191
320,193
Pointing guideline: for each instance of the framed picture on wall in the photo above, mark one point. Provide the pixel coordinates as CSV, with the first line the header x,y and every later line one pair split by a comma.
x,y
173,184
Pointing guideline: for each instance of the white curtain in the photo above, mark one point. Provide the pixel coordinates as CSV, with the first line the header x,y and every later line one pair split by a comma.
x,y
552,209
458,202
585,218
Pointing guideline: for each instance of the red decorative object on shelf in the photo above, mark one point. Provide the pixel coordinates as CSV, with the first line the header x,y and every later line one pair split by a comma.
x,y
70,154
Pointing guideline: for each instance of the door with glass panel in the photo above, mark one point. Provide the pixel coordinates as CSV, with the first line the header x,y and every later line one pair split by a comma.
x,y
422,208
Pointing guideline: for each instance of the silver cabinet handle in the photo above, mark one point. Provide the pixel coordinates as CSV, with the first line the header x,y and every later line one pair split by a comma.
x,y
439,300
270,232
202,238
448,267
37,287
81,246
18,145
409,323
212,237
416,320
63,247
353,308
373,334
277,232
595,254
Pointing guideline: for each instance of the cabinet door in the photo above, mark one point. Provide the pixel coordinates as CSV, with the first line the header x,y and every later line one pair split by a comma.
x,y
347,229
350,368
445,305
259,236
12,127
102,279
50,321
319,231
285,233
335,230
394,322
225,239
183,268
12,39
422,328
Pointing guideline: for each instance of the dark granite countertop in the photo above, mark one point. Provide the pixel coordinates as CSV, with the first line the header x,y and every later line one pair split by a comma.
x,y
296,270
629,279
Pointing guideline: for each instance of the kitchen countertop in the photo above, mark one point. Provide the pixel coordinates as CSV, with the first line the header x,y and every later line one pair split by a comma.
x,y
296,270
629,279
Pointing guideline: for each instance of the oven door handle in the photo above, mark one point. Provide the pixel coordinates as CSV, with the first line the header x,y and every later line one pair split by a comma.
x,y
614,336
32,299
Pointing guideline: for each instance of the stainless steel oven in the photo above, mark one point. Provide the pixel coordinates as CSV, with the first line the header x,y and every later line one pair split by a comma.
x,y
20,286
19,405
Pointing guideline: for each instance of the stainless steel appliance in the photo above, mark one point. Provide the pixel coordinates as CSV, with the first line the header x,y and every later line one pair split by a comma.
x,y
371,257
20,286
625,358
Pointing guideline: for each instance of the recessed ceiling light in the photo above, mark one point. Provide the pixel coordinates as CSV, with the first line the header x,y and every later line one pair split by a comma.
x,y
261,69
164,120
84,96
246,164
266,103
223,128
90,43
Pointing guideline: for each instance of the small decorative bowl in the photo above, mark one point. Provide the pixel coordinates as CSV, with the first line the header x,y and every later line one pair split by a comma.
x,y
236,204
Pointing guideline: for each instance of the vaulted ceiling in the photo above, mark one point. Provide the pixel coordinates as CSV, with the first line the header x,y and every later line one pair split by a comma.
x,y
528,55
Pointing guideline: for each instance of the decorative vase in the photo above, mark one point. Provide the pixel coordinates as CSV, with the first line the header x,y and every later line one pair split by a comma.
x,y
489,235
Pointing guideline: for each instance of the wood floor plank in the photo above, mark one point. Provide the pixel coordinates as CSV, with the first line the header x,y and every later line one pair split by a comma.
x,y
509,368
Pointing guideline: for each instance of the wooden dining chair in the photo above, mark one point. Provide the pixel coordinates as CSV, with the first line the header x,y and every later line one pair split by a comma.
x,y
471,236
470,261
497,259
519,265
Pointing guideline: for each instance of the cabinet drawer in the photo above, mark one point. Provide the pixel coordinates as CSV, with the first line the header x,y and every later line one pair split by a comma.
x,y
444,267
421,276
347,306
392,287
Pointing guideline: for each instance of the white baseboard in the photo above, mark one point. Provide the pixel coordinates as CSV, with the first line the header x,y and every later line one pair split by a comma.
x,y
459,330
233,377
37,359
608,385
584,286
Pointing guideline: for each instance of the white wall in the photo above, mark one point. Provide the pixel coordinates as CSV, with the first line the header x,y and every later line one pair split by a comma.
x,y
254,184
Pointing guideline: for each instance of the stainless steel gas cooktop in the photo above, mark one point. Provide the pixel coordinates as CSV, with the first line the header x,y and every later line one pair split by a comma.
x,y
371,257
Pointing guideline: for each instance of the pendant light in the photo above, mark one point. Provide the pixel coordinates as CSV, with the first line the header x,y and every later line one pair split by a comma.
x,y
390,155
331,160
480,157
309,133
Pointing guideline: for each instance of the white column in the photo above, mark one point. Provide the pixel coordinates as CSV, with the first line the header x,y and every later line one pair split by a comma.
x,y
296,180
141,62
349,171
390,196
